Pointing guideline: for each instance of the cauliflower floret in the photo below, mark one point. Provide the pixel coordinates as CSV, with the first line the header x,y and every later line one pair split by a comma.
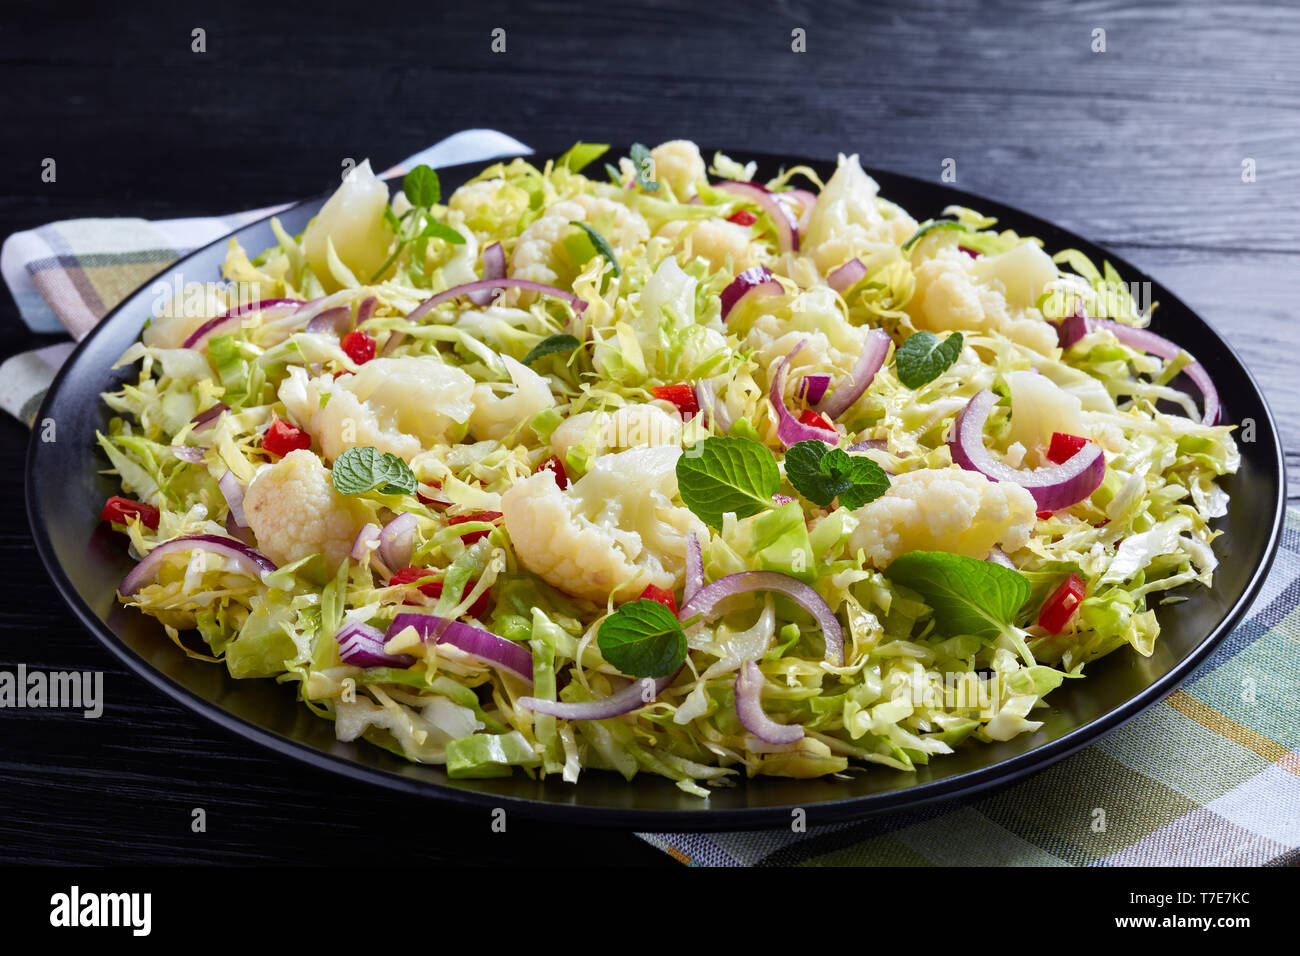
x,y
615,530
539,255
632,426
943,509
715,240
398,405
848,219
353,221
1039,407
495,418
949,296
295,512
490,205
815,319
679,164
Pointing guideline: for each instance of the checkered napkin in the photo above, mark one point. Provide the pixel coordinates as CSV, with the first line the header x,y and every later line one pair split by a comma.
x,y
1209,776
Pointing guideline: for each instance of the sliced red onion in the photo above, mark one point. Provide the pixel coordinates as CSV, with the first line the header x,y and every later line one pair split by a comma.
x,y
367,540
337,320
191,453
789,429
494,267
235,531
205,418
749,708
873,356
1075,327
871,444
397,539
632,697
813,387
251,561
847,276
233,492
361,645
715,411
489,284
998,556
807,200
1054,488
754,282
366,310
276,308
973,253
694,567
706,599
484,645
392,342
787,228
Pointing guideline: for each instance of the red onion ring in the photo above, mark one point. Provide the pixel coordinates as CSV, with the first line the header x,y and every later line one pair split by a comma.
x,y
753,282
397,539
494,267
392,342
191,453
484,645
233,492
807,200
205,418
251,561
749,708
694,567
873,356
704,601
366,310
871,444
632,697
813,387
242,534
787,228
366,541
1075,327
489,284
789,429
336,320
1053,488
998,556
280,306
361,645
715,411
845,277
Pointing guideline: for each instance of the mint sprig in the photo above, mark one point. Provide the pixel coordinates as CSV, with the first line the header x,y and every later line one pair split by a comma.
x,y
364,468
644,165
968,596
924,357
721,475
821,474
416,226
551,345
642,639
600,242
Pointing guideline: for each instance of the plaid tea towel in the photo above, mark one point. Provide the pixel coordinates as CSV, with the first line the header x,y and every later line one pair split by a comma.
x,y
1220,787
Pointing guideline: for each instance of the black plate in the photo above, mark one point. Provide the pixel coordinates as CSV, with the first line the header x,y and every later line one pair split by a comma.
x,y
87,561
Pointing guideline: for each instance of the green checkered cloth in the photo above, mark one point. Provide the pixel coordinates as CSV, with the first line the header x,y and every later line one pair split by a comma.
x,y
1209,776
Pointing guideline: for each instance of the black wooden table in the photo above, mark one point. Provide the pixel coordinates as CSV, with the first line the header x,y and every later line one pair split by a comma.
x,y
1141,147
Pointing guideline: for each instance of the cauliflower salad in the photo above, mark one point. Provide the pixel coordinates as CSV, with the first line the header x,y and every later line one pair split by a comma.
x,y
639,464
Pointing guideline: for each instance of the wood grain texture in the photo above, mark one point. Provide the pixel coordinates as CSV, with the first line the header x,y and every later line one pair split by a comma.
x,y
1139,148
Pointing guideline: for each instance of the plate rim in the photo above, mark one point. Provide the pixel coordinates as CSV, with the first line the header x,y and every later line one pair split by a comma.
x,y
995,775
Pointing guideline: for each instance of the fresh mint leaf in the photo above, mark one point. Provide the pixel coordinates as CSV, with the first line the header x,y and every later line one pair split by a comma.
x,y
550,346
437,230
581,155
721,475
422,187
644,165
365,468
614,175
924,357
601,244
642,639
821,474
968,596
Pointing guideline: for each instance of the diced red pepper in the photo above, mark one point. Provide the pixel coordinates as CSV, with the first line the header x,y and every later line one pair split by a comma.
x,y
973,253
121,510
742,217
682,395
1061,604
358,346
1064,447
809,417
282,438
1044,515
434,588
660,596
556,467
429,500
469,537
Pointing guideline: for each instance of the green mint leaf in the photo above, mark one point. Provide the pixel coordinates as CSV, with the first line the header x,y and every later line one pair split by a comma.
x,y
930,227
721,475
614,175
642,639
644,164
550,346
821,474
923,357
422,187
365,468
601,244
581,155
968,596
438,230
